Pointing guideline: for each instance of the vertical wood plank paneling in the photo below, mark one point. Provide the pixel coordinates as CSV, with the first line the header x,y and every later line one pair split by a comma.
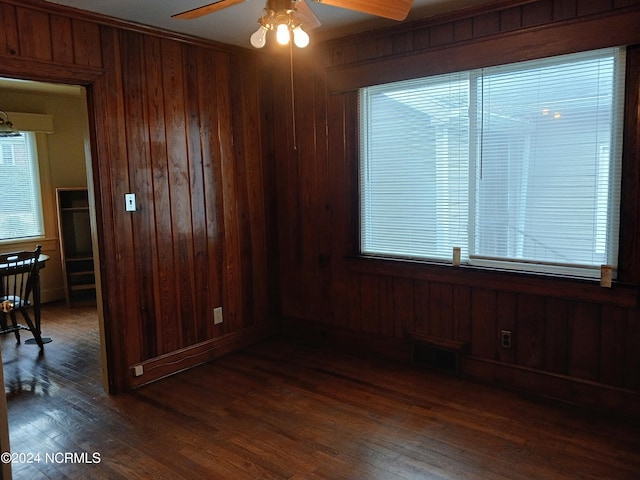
x,y
212,261
62,40
289,216
403,307
338,203
440,34
142,220
387,313
511,18
241,198
179,191
232,262
483,326
462,313
164,291
34,34
422,302
632,351
251,193
486,24
421,38
300,109
370,286
530,336
441,310
537,13
401,43
584,341
563,9
353,319
463,29
203,310
557,335
324,217
613,358
85,37
9,43
368,49
590,7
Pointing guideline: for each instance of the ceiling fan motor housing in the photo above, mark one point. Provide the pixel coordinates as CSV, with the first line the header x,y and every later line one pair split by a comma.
x,y
281,5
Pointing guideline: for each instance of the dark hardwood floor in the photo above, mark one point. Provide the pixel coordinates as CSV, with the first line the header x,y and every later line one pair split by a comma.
x,y
285,411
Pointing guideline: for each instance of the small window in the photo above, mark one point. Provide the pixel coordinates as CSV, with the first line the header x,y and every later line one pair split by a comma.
x,y
20,202
518,165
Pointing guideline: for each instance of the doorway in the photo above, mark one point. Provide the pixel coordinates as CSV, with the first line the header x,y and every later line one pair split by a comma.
x,y
66,163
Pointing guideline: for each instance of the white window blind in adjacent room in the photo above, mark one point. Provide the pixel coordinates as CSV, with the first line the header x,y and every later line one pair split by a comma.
x,y
20,202
519,165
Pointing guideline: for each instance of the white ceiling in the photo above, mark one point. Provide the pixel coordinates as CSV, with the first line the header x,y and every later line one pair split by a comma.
x,y
235,24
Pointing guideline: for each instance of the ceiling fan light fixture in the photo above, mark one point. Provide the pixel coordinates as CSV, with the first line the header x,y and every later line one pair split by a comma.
x,y
300,37
283,36
279,16
6,127
259,37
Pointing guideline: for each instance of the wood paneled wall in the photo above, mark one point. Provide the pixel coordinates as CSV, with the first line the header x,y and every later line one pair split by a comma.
x,y
178,122
572,339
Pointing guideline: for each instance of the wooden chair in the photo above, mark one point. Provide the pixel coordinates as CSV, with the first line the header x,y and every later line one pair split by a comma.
x,y
18,275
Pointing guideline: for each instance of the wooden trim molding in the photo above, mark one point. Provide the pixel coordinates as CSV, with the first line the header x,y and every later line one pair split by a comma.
x,y
568,389
183,359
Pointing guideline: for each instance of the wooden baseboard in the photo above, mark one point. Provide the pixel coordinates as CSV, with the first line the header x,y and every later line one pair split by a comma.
x,y
538,383
323,335
192,356
571,390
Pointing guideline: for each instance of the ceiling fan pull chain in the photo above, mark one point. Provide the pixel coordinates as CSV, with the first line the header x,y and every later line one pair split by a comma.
x,y
293,99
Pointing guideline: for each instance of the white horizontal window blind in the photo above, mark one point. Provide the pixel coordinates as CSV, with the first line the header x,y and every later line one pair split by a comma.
x,y
518,165
20,202
415,174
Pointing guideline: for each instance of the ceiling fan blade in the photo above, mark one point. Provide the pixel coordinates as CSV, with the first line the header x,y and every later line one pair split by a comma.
x,y
305,15
201,11
393,9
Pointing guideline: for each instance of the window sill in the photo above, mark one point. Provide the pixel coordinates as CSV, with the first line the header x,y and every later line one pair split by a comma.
x,y
569,288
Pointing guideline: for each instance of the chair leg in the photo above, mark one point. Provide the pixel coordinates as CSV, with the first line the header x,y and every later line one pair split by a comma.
x,y
32,328
14,322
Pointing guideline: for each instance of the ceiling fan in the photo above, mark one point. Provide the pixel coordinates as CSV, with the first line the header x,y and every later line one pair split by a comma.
x,y
287,17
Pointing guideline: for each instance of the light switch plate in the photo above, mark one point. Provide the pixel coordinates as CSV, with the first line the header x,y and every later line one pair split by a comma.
x,y
130,202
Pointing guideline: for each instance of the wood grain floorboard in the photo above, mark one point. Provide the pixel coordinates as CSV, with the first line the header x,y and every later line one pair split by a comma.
x,y
281,410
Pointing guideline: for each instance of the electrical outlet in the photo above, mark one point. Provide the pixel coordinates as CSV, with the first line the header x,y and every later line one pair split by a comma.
x,y
217,316
505,338
138,370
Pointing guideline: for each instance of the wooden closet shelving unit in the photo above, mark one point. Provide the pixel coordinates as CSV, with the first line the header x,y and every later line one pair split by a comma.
x,y
76,252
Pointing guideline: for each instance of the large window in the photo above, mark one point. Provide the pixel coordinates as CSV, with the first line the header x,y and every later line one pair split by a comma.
x,y
518,165
20,203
